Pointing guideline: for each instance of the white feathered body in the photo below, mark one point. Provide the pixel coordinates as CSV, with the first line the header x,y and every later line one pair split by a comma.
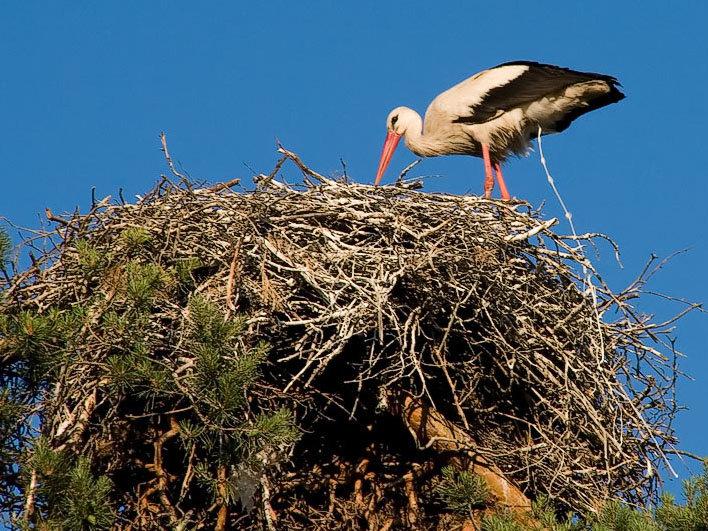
x,y
503,108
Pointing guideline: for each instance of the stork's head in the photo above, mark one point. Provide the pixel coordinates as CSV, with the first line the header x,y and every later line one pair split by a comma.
x,y
397,123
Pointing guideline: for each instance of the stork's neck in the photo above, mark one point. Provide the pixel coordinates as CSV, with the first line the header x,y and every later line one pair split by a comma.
x,y
420,144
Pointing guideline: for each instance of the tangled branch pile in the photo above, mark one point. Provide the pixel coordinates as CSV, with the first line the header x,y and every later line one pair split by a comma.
x,y
368,297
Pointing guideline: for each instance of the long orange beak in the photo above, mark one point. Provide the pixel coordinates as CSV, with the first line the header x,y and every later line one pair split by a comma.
x,y
389,147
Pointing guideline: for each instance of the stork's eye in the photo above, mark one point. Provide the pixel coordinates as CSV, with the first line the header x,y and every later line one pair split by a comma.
x,y
394,120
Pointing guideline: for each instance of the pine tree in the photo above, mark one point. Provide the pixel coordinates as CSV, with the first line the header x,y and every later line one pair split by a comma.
x,y
171,397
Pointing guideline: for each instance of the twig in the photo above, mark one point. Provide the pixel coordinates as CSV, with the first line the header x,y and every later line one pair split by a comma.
x,y
344,170
307,171
163,140
52,217
224,186
267,507
407,169
532,232
567,214
221,520
29,501
160,474
277,167
230,282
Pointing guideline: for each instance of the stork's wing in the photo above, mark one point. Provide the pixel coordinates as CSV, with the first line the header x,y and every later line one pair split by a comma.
x,y
488,94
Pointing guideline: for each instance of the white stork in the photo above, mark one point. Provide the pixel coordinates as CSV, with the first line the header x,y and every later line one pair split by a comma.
x,y
497,112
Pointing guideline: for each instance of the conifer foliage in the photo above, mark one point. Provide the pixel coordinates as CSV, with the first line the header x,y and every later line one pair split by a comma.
x,y
125,397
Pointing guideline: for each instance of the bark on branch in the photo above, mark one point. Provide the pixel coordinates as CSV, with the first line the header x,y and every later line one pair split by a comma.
x,y
431,429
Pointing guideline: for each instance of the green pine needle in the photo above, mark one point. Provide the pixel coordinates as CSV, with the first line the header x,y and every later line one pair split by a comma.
x,y
463,491
134,237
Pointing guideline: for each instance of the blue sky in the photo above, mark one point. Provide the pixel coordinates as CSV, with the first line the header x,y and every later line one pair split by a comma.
x,y
86,87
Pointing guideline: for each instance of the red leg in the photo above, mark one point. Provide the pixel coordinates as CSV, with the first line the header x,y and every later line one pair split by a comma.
x,y
488,175
502,184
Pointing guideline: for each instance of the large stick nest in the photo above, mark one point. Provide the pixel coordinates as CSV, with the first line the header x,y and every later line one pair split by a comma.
x,y
474,306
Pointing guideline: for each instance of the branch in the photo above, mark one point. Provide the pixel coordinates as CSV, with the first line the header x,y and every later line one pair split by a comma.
x,y
426,424
163,140
307,171
160,472
52,217
224,186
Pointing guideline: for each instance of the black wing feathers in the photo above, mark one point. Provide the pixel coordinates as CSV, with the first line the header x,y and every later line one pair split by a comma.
x,y
538,81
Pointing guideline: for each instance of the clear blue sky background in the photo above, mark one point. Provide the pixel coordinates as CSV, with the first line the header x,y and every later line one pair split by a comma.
x,y
86,87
